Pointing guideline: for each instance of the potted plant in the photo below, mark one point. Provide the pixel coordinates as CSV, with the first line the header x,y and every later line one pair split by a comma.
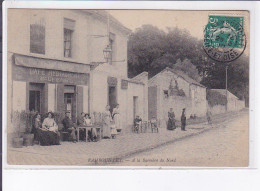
x,y
17,140
28,119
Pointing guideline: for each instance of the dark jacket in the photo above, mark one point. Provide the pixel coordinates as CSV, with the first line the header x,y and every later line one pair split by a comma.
x,y
67,123
183,118
81,121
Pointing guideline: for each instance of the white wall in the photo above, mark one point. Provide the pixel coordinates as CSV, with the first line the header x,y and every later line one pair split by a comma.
x,y
51,97
85,47
19,96
194,105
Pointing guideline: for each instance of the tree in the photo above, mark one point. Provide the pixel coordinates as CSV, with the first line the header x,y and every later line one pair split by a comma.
x,y
152,50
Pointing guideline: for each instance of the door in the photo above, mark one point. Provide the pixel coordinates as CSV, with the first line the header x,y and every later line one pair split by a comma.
x,y
135,106
112,98
34,100
70,101
36,97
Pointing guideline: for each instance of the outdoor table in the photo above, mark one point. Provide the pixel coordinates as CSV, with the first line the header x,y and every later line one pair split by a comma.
x,y
89,127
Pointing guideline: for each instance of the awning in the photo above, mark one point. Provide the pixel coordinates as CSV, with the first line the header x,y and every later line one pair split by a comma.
x,y
34,62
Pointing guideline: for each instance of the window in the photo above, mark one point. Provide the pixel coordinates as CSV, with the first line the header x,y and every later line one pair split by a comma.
x,y
37,35
67,42
69,26
112,38
165,93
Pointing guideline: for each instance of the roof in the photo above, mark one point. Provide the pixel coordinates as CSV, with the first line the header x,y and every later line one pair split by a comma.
x,y
102,15
223,92
182,75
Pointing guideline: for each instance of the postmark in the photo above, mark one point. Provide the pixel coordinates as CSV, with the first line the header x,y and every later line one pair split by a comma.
x,y
224,38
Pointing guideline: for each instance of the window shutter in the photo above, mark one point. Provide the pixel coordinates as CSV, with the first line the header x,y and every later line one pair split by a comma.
x,y
79,100
69,24
60,98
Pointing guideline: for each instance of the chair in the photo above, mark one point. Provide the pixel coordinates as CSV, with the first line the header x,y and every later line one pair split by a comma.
x,y
154,126
144,126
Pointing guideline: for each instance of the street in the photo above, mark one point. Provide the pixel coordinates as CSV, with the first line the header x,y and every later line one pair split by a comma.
x,y
225,145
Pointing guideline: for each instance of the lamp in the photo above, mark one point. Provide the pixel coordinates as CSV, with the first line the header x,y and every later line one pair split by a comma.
x,y
107,51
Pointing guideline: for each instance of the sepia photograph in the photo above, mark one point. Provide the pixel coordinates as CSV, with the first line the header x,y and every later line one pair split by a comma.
x,y
150,88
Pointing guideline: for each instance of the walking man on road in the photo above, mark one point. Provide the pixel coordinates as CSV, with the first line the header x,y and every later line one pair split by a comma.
x,y
183,120
209,117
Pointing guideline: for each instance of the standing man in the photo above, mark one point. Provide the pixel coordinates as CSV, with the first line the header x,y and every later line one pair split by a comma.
x,y
209,117
69,126
183,120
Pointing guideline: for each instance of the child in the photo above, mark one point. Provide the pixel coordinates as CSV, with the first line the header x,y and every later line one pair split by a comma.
x,y
137,123
154,124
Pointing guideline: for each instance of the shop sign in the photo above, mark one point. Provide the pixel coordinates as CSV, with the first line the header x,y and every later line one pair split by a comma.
x,y
48,76
124,84
112,81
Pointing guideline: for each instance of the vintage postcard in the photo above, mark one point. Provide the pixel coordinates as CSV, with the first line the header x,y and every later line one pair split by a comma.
x,y
91,87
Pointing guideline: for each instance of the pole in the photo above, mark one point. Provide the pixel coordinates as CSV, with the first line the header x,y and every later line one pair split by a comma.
x,y
108,27
226,87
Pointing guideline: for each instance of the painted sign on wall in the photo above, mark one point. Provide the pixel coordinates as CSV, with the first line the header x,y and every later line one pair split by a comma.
x,y
48,76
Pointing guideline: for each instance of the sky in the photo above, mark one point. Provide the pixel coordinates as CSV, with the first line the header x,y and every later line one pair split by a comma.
x,y
192,21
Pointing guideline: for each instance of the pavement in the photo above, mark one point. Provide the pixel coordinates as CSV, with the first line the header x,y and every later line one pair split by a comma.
x,y
225,145
108,151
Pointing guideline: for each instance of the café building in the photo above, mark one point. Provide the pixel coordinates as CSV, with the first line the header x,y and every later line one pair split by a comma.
x,y
49,85
56,63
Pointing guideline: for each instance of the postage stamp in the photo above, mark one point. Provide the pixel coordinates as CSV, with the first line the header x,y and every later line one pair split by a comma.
x,y
224,37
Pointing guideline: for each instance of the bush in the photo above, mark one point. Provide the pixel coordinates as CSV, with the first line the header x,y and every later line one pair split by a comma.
x,y
216,98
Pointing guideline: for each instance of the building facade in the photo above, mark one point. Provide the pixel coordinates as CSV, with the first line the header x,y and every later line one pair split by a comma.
x,y
174,89
56,63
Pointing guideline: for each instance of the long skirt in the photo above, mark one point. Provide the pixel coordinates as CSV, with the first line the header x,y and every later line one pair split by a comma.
x,y
106,131
113,130
117,121
171,124
47,138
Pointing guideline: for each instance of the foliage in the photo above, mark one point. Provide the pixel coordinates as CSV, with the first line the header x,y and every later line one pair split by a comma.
x,y
188,68
23,121
152,50
216,98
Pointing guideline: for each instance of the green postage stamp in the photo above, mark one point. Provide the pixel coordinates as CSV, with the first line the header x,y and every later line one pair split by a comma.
x,y
223,31
224,37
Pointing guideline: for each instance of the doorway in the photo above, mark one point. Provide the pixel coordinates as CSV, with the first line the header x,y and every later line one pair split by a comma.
x,y
135,106
36,97
70,101
112,98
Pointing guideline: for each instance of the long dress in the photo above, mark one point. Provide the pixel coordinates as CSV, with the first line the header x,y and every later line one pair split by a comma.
x,y
116,118
106,124
171,121
46,134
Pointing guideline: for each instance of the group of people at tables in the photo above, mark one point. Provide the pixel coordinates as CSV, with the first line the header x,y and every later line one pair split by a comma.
x,y
47,132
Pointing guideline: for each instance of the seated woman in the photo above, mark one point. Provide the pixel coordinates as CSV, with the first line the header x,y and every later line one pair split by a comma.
x,y
47,132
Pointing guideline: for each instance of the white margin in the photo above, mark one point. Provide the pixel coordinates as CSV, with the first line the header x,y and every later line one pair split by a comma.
x,y
136,5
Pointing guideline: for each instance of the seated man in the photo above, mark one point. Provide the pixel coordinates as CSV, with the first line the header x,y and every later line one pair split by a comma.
x,y
137,123
81,123
69,126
